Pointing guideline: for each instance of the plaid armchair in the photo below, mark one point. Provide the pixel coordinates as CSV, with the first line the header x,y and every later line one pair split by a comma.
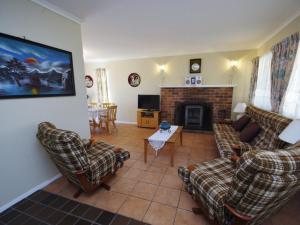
x,y
272,124
245,192
84,164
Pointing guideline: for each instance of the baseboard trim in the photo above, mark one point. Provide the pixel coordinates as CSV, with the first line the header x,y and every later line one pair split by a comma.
x,y
126,122
29,192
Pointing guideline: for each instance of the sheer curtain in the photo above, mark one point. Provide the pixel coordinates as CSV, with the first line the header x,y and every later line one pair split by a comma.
x,y
262,95
291,103
102,86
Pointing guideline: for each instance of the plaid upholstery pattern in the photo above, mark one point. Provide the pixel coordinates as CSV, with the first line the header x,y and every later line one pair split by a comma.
x,y
271,124
225,137
71,155
102,161
211,182
260,183
65,147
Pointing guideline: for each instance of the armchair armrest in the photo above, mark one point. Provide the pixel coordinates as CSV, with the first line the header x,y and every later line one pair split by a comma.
x,y
235,157
236,149
238,215
192,167
88,142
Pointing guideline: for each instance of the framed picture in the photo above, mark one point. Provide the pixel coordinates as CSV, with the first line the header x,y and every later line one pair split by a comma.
x,y
195,65
30,69
193,81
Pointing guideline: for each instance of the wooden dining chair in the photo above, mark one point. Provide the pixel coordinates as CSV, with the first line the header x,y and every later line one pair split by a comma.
x,y
105,105
109,117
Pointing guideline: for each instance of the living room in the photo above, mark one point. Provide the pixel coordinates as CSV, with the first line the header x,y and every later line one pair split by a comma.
x,y
171,113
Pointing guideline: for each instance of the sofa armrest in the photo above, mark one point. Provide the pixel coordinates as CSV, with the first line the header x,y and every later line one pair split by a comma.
x,y
227,121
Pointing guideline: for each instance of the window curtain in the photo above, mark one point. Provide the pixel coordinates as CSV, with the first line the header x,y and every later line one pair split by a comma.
x,y
102,87
262,94
253,81
284,54
291,102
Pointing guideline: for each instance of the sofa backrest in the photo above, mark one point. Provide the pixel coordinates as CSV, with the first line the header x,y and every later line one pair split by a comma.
x,y
272,124
65,148
264,181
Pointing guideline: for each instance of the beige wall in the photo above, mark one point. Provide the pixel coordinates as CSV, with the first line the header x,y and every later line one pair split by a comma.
x,y
23,163
291,28
215,70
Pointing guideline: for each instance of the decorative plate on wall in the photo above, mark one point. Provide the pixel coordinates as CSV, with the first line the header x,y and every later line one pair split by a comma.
x,y
88,81
134,79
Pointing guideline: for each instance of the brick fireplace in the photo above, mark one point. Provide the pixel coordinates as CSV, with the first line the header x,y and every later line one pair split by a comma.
x,y
218,97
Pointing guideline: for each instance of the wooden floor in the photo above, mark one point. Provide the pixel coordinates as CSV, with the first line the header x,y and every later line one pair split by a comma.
x,y
153,192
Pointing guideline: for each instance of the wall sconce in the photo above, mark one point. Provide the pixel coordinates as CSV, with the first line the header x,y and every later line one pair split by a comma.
x,y
234,64
162,67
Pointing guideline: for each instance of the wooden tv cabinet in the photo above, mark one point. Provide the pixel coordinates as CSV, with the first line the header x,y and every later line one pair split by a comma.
x,y
148,119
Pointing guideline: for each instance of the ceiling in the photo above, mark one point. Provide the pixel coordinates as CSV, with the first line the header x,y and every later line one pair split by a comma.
x,y
121,29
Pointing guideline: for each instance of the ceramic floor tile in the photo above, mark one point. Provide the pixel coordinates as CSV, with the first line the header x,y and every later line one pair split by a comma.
x,y
134,208
167,196
152,178
141,165
189,218
133,174
159,170
159,214
144,190
186,201
109,200
124,186
172,182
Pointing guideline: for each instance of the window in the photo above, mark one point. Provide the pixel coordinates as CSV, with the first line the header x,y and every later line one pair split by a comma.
x,y
102,87
291,102
262,95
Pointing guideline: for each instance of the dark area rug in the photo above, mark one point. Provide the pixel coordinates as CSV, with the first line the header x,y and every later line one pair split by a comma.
x,y
43,208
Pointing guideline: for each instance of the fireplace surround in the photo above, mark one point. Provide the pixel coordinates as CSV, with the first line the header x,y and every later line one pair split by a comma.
x,y
217,98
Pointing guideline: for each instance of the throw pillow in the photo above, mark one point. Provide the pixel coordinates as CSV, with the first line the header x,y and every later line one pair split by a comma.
x,y
249,132
239,124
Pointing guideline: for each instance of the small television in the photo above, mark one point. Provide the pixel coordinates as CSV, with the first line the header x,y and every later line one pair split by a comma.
x,y
149,102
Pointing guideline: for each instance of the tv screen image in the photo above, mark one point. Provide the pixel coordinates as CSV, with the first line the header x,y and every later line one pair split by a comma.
x,y
149,102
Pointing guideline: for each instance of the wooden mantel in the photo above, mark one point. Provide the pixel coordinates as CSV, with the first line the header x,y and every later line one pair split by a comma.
x,y
201,86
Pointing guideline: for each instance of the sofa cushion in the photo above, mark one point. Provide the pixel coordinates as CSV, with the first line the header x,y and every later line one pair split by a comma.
x,y
249,132
239,124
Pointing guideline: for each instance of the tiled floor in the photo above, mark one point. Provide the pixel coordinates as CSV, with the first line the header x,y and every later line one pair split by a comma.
x,y
44,208
153,192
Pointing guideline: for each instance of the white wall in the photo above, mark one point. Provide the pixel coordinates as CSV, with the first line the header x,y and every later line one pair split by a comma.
x,y
23,163
215,70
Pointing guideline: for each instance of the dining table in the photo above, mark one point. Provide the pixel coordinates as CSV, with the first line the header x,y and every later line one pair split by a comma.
x,y
94,114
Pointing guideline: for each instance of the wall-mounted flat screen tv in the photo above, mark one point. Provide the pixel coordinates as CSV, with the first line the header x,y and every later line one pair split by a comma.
x,y
149,102
30,69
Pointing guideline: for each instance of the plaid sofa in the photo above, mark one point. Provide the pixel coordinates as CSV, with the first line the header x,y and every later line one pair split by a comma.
x,y
73,156
271,124
259,184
